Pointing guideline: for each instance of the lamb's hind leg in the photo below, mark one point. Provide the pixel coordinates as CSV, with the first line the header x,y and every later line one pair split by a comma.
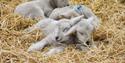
x,y
86,47
29,10
54,50
30,29
37,13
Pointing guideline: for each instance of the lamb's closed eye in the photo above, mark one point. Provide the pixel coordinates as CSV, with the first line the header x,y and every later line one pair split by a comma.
x,y
66,29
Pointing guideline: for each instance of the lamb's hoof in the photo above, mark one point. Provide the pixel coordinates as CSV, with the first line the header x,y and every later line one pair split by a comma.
x,y
47,55
82,47
29,50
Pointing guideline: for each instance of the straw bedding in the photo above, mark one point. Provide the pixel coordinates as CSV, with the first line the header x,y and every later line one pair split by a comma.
x,y
109,38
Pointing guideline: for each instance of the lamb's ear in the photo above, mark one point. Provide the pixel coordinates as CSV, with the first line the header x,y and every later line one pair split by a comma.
x,y
71,31
76,20
53,3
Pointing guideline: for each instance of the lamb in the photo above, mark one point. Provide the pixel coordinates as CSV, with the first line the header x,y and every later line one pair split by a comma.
x,y
60,32
39,9
85,28
54,32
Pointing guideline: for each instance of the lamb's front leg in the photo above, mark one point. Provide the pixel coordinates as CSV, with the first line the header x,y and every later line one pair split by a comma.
x,y
41,44
37,46
55,50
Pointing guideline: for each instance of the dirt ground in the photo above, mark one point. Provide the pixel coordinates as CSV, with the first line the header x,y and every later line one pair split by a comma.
x,y
110,37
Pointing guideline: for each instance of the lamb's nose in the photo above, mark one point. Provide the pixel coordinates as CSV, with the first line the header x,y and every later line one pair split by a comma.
x,y
67,4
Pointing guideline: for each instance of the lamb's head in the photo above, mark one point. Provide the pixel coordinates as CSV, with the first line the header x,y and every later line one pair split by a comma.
x,y
58,34
83,32
63,27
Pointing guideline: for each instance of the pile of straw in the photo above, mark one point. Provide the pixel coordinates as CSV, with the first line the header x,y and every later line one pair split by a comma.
x,y
109,38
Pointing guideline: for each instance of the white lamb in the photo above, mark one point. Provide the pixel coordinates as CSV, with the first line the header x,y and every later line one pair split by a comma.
x,y
39,9
63,31
84,29
54,32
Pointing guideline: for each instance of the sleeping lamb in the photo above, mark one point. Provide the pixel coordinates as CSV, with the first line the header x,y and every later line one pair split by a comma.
x,y
62,31
39,9
85,28
54,32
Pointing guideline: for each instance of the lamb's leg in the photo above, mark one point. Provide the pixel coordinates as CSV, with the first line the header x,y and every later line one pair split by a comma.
x,y
91,43
40,25
41,44
54,50
69,14
37,46
74,25
31,29
29,10
87,45
82,47
75,20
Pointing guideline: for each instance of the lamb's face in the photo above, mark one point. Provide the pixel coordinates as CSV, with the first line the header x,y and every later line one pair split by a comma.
x,y
62,3
63,27
83,31
82,37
